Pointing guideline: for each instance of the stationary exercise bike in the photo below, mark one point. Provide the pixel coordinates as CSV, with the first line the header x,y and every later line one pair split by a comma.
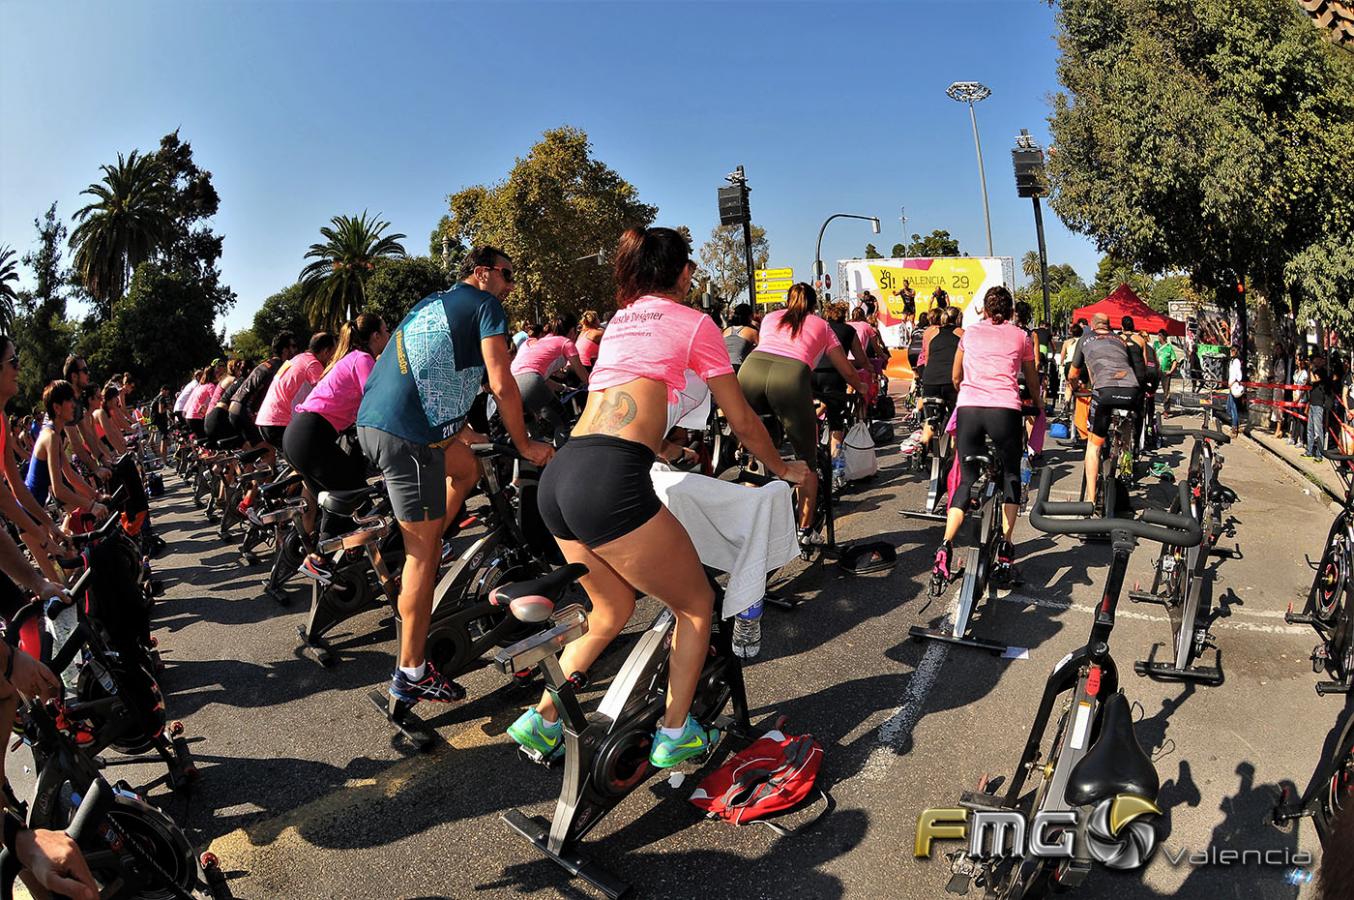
x,y
606,754
1330,602
940,450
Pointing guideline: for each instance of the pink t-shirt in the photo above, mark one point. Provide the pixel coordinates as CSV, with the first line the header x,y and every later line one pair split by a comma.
x,y
202,401
992,358
190,405
544,355
815,338
339,393
865,331
587,351
302,369
659,339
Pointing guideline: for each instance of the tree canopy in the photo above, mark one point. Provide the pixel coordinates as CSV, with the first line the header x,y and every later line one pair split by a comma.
x,y
335,282
723,258
283,311
557,204
397,284
937,243
41,329
1208,135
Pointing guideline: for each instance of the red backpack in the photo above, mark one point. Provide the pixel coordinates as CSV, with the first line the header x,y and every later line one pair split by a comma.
x,y
773,774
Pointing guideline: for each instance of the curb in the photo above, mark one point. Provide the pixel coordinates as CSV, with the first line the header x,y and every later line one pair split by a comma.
x,y
1306,478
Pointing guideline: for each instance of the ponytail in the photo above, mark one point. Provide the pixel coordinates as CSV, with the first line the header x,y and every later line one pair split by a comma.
x,y
799,303
355,335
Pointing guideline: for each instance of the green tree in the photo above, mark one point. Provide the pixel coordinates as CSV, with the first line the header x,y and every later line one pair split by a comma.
x,y
190,245
397,284
1114,271
123,226
557,204
283,311
249,346
871,252
160,331
724,258
335,283
1208,135
42,330
9,275
937,243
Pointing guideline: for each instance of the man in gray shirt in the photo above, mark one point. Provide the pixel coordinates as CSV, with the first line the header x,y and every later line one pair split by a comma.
x,y
1115,376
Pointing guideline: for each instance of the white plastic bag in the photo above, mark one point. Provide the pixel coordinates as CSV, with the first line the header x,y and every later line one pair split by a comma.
x,y
858,451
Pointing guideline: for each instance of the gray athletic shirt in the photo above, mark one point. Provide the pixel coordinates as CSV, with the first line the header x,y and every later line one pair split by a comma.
x,y
1105,358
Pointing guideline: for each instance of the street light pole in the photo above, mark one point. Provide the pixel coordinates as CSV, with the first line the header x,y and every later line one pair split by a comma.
x,y
818,250
972,92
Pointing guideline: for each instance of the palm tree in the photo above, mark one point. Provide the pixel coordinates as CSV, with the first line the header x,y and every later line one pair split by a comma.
x,y
1029,264
335,284
8,273
125,225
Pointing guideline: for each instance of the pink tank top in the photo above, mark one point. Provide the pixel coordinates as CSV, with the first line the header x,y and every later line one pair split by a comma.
x,y
544,356
587,351
659,339
814,339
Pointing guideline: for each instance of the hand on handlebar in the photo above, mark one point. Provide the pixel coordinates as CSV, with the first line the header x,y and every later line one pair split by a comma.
x,y
796,470
56,862
49,589
98,510
32,679
104,473
537,453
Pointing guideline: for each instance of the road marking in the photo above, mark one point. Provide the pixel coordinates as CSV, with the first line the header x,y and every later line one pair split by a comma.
x,y
1121,613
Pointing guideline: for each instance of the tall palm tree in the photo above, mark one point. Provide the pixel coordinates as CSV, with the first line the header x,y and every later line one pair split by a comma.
x,y
1029,264
125,225
9,272
335,284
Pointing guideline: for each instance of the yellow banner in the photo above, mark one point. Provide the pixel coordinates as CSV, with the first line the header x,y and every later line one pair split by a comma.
x,y
774,273
768,287
775,297
960,277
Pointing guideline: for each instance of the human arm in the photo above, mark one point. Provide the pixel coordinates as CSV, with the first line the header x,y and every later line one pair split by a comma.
x,y
498,368
581,371
728,394
957,370
92,442
858,353
1031,369
112,431
844,367
14,564
40,521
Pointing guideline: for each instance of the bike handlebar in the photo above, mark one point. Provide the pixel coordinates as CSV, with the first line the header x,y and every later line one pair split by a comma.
x,y
1177,530
94,807
1208,433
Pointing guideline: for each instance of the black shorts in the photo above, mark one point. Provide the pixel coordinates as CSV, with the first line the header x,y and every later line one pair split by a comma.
x,y
273,434
1104,401
195,426
947,394
597,489
1007,433
217,425
829,388
243,423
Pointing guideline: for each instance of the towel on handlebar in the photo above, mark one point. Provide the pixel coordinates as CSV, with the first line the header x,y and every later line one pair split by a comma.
x,y
745,531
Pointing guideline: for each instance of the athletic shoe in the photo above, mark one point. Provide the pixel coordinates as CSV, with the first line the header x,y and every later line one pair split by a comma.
x,y
693,741
1160,470
317,571
942,566
1005,552
532,732
432,686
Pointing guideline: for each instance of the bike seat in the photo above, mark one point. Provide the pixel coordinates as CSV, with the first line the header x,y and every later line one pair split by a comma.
x,y
1337,457
281,486
982,459
534,600
1116,764
249,457
345,503
1121,412
229,443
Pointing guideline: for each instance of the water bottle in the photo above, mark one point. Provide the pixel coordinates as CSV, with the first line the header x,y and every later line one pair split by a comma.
x,y
61,628
1026,471
747,631
838,475
1297,876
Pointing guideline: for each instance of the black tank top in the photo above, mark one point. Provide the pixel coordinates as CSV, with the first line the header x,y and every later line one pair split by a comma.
x,y
845,334
940,357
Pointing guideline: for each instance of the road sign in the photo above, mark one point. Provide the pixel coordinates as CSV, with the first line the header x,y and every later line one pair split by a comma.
x,y
774,274
770,286
764,299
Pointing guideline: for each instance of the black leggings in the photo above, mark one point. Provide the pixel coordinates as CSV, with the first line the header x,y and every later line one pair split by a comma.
x,y
1007,431
310,444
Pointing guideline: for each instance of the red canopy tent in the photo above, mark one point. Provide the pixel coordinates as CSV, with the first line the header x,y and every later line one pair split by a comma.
x,y
1123,302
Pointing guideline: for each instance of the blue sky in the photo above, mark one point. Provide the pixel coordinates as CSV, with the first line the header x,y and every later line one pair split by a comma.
x,y
303,110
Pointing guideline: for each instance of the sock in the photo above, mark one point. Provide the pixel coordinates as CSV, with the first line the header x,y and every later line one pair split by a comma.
x,y
415,673
547,725
673,733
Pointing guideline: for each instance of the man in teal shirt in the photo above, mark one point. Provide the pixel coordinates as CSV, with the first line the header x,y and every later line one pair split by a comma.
x,y
1168,359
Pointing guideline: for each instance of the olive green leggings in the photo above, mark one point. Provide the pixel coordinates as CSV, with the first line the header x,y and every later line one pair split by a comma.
x,y
783,386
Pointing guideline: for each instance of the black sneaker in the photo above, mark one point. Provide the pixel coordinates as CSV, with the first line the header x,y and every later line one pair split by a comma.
x,y
433,686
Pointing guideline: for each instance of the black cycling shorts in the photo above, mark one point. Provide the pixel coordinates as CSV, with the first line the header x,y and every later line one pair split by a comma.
x,y
1104,401
243,423
1006,430
829,388
273,434
597,489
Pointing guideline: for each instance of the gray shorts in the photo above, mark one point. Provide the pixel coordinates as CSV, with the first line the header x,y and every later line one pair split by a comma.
x,y
415,474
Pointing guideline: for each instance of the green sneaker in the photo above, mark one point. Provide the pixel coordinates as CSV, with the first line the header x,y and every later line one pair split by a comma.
x,y
535,734
694,741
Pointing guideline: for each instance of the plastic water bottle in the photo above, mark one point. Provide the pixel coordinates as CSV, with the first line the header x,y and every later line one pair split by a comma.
x,y
838,476
747,631
1026,471
61,628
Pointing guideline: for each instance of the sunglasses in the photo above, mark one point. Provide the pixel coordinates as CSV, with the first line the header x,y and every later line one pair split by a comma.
x,y
13,361
507,273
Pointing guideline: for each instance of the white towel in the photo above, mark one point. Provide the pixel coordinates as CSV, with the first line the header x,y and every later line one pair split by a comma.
x,y
745,531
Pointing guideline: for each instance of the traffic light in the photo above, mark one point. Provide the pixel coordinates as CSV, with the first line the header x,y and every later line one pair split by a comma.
x,y
1029,172
733,205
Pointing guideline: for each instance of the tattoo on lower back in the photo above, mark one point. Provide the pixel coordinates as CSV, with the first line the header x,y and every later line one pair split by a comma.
x,y
617,411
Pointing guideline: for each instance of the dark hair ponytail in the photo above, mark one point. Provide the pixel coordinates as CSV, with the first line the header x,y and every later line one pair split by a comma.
x,y
649,260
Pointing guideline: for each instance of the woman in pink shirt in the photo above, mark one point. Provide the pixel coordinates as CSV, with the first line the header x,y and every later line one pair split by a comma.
x,y
199,402
598,499
777,378
299,373
538,359
311,440
987,365
589,338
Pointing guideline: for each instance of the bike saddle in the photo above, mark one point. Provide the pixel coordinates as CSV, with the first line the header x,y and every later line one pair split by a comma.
x,y
345,503
252,456
229,443
534,600
982,459
1116,764
281,486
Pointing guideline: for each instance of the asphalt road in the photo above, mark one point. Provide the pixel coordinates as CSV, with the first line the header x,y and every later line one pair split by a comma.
x,y
305,793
